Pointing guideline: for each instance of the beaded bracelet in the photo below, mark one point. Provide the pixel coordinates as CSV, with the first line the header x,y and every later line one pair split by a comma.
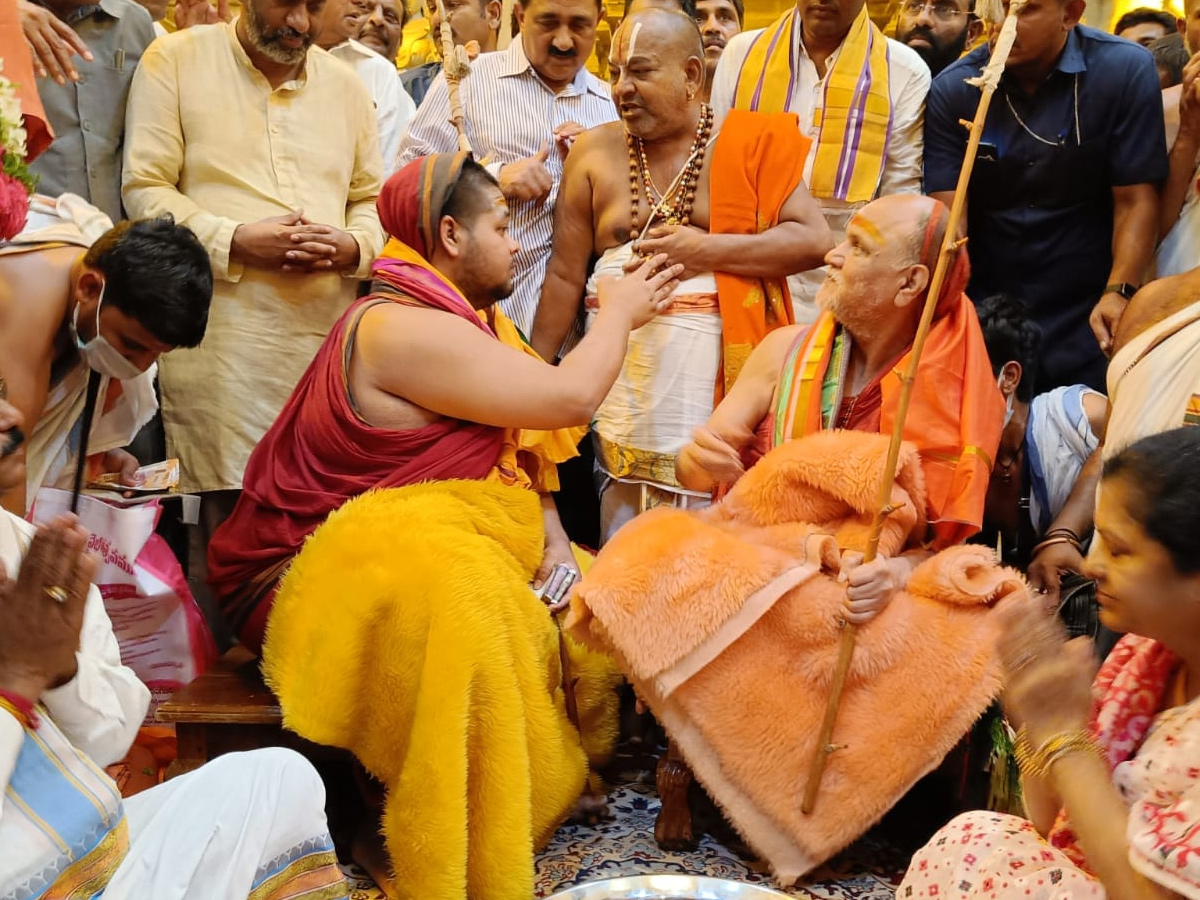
x,y
1037,763
21,709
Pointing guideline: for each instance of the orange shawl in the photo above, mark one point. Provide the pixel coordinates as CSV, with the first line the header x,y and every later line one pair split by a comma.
x,y
758,161
956,414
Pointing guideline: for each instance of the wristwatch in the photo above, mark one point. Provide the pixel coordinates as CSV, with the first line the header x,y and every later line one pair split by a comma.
x,y
1124,288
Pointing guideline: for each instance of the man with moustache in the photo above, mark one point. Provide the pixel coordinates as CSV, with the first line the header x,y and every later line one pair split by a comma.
x,y
381,26
470,20
939,30
719,20
524,106
866,143
290,225
1062,208
394,109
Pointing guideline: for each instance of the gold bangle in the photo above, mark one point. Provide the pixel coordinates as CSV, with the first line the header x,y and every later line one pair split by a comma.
x,y
1037,763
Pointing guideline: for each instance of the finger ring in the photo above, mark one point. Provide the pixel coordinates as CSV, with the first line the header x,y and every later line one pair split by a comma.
x,y
57,594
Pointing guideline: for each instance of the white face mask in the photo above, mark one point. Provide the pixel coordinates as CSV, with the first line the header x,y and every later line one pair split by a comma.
x,y
1008,402
98,353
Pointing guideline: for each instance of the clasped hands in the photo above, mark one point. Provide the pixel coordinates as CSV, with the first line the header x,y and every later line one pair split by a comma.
x,y
293,243
42,610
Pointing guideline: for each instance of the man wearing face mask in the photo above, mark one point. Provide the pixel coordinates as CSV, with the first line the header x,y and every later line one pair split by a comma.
x,y
78,296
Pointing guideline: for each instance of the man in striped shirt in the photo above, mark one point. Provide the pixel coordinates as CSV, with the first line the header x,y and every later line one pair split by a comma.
x,y
524,107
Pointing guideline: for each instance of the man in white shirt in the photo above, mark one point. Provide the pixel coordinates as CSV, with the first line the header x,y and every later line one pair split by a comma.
x,y
245,823
394,109
523,107
816,35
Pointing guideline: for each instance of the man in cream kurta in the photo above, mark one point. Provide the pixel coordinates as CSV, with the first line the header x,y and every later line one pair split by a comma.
x,y
278,177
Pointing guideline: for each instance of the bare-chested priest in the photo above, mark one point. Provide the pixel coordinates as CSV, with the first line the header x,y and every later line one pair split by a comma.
x,y
641,186
844,371
78,296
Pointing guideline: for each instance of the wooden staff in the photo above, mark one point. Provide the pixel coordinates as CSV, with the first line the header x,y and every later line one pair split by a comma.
x,y
455,66
988,80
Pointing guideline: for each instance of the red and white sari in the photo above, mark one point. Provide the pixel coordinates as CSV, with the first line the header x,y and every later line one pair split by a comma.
x,y
1155,760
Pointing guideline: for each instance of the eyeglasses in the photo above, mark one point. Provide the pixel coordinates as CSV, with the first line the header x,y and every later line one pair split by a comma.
x,y
942,10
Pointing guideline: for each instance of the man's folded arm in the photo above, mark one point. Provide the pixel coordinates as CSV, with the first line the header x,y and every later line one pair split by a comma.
x,y
102,707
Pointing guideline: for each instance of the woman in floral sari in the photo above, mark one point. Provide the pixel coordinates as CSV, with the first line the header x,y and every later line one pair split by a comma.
x,y
1110,767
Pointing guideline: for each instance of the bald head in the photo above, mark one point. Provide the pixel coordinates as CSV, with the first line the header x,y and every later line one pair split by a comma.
x,y
879,275
663,31
903,219
687,7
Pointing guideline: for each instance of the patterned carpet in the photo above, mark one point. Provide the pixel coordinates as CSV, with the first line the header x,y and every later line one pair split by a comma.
x,y
624,845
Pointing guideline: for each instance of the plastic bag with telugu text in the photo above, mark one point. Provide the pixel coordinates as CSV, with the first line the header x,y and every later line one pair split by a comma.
x,y
160,629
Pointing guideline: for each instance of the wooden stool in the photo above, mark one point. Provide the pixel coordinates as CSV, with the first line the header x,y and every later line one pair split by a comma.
x,y
227,709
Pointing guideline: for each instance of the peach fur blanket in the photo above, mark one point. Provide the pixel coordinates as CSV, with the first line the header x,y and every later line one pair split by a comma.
x,y
726,620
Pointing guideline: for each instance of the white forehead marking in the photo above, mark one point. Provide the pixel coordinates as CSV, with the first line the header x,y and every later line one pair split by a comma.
x,y
633,36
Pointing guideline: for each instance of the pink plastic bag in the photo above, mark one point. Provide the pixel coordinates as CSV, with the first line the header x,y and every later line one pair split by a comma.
x,y
161,632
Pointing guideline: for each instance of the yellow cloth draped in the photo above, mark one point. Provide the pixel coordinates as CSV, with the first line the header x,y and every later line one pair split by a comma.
x,y
856,113
528,458
439,669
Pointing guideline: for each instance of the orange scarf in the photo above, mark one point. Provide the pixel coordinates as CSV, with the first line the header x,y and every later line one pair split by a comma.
x,y
758,162
956,413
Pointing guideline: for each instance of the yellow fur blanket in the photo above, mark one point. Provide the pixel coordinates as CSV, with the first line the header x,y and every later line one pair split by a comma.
x,y
406,632
726,622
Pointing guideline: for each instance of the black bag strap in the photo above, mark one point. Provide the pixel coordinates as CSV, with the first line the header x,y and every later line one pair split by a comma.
x,y
89,413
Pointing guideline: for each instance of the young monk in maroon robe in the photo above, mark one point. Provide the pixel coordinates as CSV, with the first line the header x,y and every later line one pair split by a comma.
x,y
424,380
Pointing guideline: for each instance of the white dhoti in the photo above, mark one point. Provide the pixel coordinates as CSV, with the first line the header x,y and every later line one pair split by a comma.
x,y
1154,381
245,824
664,391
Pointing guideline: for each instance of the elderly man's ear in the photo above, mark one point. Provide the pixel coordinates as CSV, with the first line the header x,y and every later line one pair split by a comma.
x,y
916,279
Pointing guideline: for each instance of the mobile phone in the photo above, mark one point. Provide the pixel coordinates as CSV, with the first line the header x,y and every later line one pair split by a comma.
x,y
11,440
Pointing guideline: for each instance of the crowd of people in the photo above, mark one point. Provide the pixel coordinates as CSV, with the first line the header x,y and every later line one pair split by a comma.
x,y
421,377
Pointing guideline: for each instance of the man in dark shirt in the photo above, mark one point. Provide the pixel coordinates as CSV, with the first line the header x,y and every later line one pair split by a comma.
x,y
1062,204
88,115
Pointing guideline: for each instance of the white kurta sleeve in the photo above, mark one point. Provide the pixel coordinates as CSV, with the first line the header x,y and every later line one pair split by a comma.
x,y
902,169
101,708
362,218
394,110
